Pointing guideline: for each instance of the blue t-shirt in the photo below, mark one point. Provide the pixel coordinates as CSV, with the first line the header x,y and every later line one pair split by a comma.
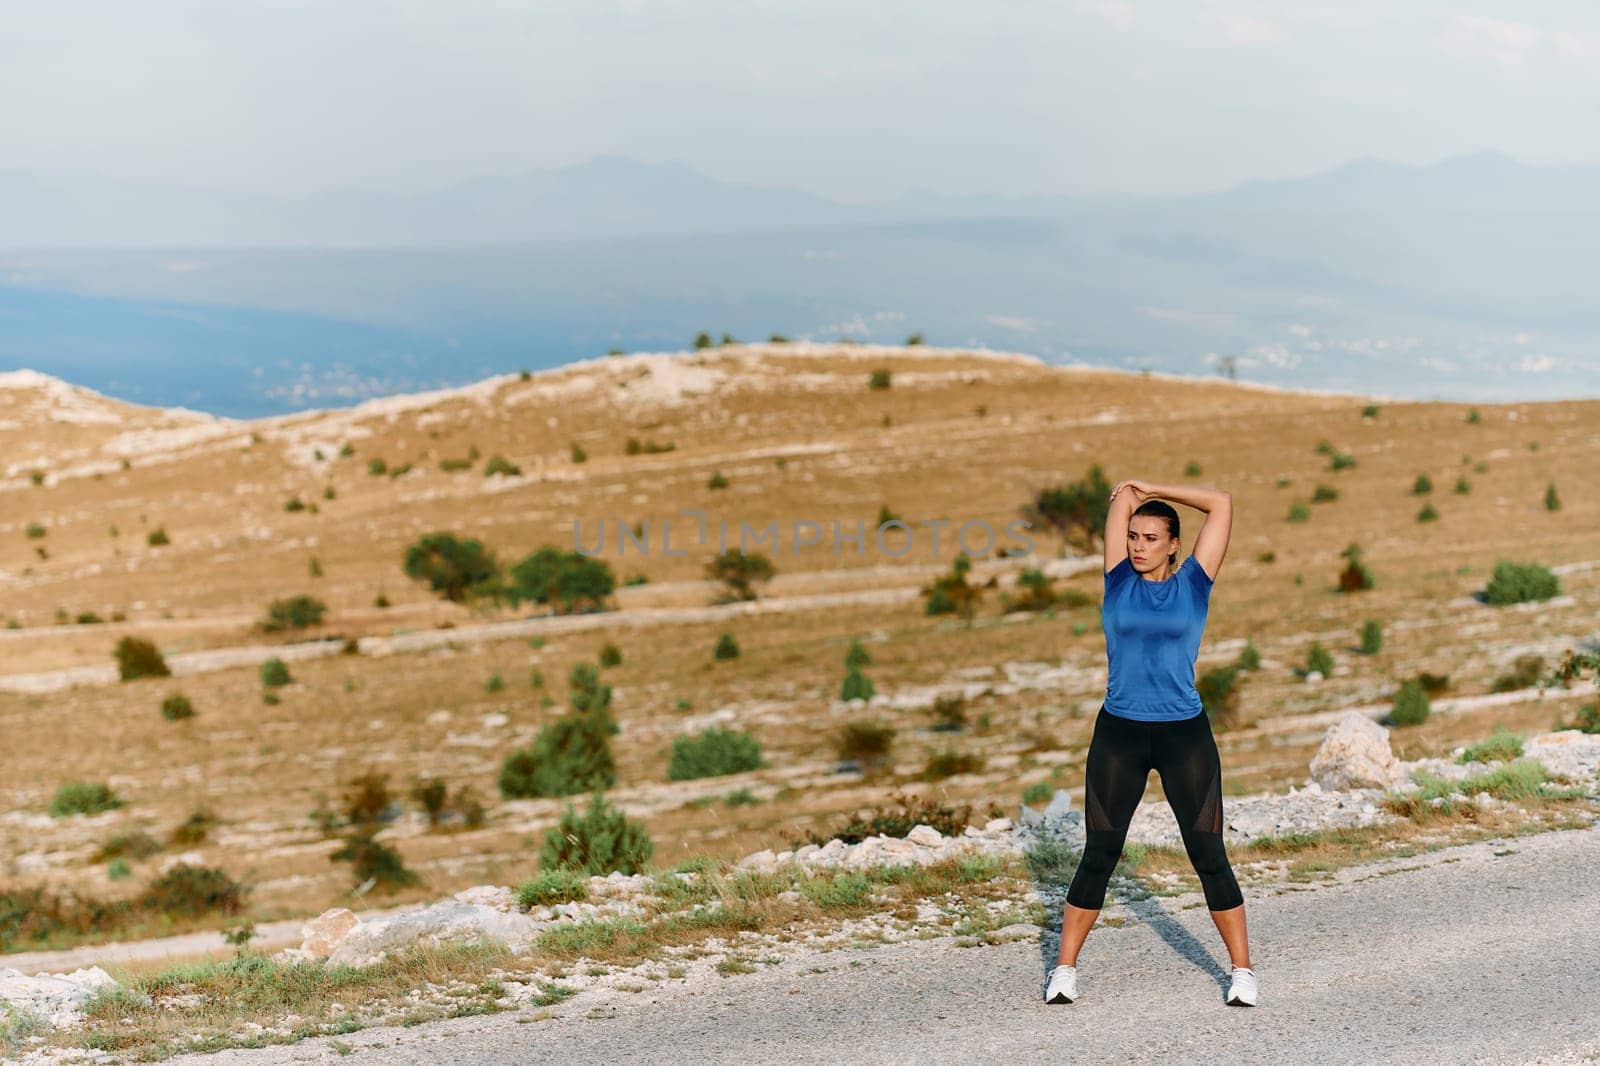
x,y
1152,640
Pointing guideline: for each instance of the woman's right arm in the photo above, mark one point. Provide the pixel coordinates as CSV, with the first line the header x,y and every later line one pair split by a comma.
x,y
1122,505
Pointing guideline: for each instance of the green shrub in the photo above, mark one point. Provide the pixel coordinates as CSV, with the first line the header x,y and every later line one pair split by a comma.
x,y
713,753
1341,461
294,504
1474,417
948,762
949,713
569,581
554,886
1525,673
1324,494
1299,512
839,890
134,844
1038,792
83,797
1371,637
157,537
494,684
1463,486
914,340
1191,469
880,379
193,830
1422,486
1428,513
375,862
176,706
1410,705
118,870
610,654
1219,694
367,799
856,656
1318,660
139,658
867,743
857,686
1586,719
296,612
727,647
1552,501
451,565
1370,411
377,467
571,754
1520,583
1355,577
35,531
194,891
717,480
499,464
274,673
1249,657
599,841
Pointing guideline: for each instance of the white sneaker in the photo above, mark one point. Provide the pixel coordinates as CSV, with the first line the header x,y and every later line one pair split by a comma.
x,y
1242,992
1063,985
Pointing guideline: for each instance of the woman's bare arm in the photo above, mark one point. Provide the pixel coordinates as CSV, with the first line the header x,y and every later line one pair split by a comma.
x,y
1122,505
1211,544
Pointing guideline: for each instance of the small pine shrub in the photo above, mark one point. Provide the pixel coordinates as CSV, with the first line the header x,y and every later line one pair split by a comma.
x,y
1324,494
1526,670
294,504
1341,461
949,713
1463,486
193,830
157,537
1318,660
1428,513
880,379
857,686
948,762
1219,693
1299,512
610,654
295,612
1370,411
1552,501
367,799
431,794
856,656
1410,705
494,684
1191,469
1355,577
374,863
1422,486
195,891
499,464
35,531
1249,657
377,467
713,753
1520,583
727,647
570,755
866,743
83,797
717,481
599,841
1474,417
1371,637
176,706
274,673
138,658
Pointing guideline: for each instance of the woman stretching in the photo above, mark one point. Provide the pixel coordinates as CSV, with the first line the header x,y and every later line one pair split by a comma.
x,y
1153,614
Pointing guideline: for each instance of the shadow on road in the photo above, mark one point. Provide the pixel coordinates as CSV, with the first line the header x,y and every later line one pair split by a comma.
x,y
1052,865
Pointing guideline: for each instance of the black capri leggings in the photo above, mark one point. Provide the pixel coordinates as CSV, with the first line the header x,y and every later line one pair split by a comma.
x,y
1122,753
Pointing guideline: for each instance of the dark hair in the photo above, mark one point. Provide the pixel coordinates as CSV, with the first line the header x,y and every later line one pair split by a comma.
x,y
1162,509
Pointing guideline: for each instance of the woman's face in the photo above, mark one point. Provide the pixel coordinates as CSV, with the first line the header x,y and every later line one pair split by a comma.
x,y
1149,543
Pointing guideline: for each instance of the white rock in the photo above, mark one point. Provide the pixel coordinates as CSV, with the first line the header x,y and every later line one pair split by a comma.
x,y
997,825
1355,753
448,922
55,998
1060,804
495,897
322,934
926,835
1313,677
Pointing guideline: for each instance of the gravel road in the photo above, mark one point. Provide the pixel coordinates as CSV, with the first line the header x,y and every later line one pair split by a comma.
x,y
1483,953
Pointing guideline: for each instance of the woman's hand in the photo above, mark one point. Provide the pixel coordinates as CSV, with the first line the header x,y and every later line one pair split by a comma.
x,y
1141,490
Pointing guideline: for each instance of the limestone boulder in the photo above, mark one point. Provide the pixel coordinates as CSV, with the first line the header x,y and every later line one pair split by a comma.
x,y
54,998
322,934
449,922
1355,753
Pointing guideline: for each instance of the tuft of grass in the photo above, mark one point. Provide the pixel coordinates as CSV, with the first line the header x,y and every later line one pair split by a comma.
x,y
83,797
1503,746
553,886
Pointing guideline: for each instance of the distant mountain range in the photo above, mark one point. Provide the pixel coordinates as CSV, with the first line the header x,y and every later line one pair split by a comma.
x,y
1473,278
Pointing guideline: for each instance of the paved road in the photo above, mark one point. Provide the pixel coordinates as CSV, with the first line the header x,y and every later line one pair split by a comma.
x,y
1464,956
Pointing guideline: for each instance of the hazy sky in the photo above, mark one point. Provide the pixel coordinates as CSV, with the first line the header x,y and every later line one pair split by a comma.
x,y
851,98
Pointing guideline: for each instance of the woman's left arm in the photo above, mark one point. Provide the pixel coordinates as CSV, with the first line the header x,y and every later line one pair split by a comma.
x,y
1211,544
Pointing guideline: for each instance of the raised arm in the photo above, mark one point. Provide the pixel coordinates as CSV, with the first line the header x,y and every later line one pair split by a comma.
x,y
1122,505
1211,544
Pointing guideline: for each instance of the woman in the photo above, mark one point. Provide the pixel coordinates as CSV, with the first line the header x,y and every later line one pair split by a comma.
x,y
1153,613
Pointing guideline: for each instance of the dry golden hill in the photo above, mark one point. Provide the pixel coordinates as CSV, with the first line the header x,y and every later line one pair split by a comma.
x,y
798,435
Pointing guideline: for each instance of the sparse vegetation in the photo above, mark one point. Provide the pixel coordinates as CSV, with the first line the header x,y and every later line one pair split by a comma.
x,y
1355,576
1076,511
1422,486
1410,705
451,565
176,707
737,570
1371,637
295,612
1319,660
499,465
275,673
1503,746
866,743
947,762
1525,672
1552,499
137,657
879,379
571,754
